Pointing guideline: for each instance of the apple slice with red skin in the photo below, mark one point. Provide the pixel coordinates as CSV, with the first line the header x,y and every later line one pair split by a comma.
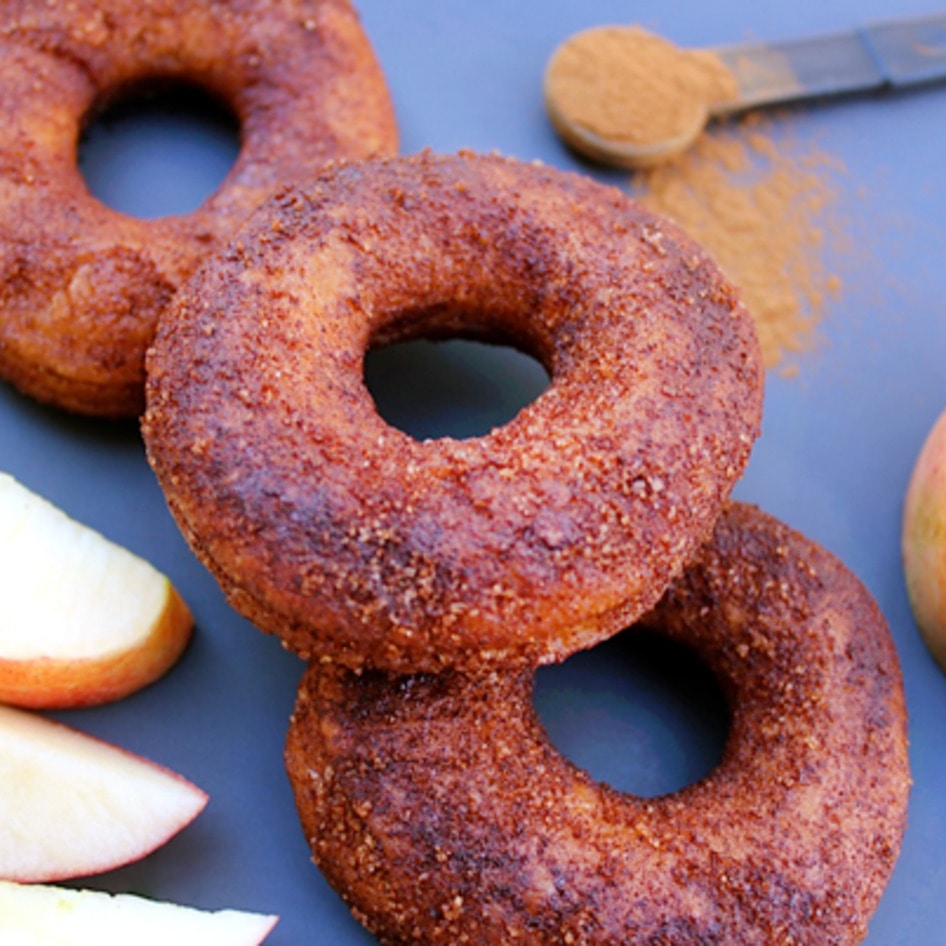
x,y
72,805
85,621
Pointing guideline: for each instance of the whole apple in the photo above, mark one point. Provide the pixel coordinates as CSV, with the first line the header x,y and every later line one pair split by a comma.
x,y
924,540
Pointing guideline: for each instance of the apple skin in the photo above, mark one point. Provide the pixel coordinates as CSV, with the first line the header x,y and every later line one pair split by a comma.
x,y
74,805
85,621
923,540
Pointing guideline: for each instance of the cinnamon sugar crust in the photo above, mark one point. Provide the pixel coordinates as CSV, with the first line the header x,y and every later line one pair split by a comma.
x,y
81,285
439,810
354,542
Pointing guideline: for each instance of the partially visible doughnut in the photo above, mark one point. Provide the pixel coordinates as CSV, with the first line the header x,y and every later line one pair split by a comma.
x,y
439,810
82,285
353,541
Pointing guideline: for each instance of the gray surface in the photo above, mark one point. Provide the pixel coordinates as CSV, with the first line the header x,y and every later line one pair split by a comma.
x,y
838,444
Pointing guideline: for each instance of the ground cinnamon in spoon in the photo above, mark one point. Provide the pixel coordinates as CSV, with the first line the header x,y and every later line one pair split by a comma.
x,y
589,75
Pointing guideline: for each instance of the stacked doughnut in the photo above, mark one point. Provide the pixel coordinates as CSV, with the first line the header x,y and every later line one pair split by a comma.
x,y
426,581
82,286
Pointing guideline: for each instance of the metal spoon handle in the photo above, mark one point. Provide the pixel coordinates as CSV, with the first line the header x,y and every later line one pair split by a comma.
x,y
891,53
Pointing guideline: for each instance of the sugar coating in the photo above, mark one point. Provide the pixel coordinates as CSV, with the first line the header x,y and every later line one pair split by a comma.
x,y
354,542
436,805
82,286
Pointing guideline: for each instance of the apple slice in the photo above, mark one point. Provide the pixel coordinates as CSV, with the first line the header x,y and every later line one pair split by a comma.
x,y
34,915
85,621
72,805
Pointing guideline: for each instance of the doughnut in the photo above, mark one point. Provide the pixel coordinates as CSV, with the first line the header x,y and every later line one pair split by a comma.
x,y
437,807
353,541
82,285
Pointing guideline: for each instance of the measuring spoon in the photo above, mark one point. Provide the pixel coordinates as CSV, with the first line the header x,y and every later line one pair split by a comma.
x,y
888,54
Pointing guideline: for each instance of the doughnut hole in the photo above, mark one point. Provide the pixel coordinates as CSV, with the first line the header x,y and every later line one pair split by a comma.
x,y
456,387
157,148
639,712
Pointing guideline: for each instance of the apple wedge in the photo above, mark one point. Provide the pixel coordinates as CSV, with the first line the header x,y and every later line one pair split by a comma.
x,y
35,915
72,805
84,621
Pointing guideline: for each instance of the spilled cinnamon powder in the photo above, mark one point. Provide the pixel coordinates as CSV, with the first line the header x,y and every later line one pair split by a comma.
x,y
763,203
765,207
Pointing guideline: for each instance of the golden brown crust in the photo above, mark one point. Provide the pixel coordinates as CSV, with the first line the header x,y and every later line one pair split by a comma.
x,y
351,540
81,285
439,810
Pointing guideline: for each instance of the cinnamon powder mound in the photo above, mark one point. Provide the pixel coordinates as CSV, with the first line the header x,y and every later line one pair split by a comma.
x,y
626,84
765,207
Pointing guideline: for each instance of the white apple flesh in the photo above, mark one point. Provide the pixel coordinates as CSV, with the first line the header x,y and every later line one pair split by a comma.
x,y
84,621
36,915
72,805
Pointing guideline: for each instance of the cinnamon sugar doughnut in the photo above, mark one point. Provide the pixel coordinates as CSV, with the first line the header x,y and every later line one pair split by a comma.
x,y
350,539
82,285
437,807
